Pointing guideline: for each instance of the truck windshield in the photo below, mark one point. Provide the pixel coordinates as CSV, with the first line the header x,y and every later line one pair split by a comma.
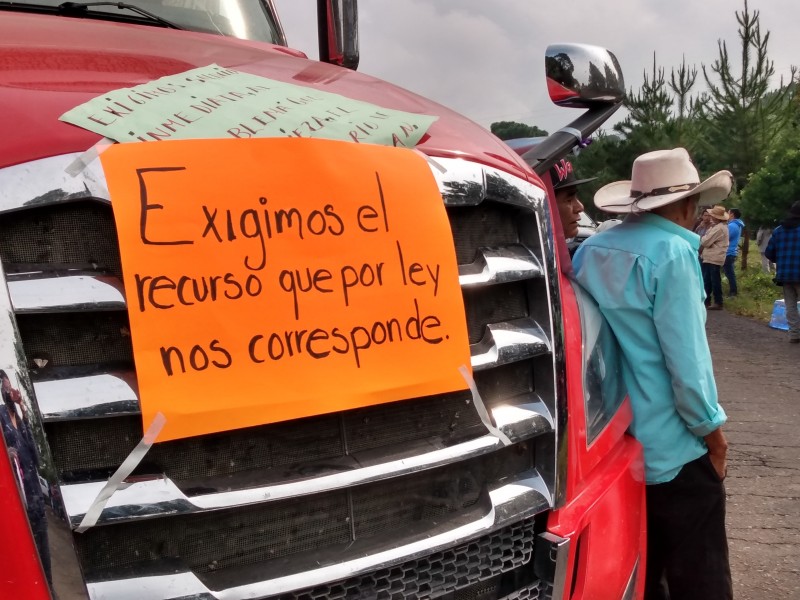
x,y
245,19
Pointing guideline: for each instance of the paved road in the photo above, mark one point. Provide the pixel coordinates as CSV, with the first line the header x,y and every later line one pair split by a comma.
x,y
758,376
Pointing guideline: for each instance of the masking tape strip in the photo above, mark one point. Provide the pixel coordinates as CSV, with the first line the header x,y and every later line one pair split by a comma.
x,y
573,132
125,469
81,162
481,408
436,165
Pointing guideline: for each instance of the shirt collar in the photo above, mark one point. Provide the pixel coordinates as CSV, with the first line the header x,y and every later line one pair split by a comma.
x,y
670,227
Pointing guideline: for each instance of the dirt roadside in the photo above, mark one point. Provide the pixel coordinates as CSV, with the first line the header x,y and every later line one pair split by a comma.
x,y
758,377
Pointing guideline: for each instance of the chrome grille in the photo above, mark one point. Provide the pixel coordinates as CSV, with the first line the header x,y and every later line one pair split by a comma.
x,y
387,484
243,536
462,570
290,449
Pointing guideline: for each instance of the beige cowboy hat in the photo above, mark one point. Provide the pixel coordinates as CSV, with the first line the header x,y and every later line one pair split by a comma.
x,y
660,178
718,212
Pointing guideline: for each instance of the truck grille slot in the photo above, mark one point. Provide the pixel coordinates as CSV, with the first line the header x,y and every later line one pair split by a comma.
x,y
483,226
83,447
312,508
76,339
494,304
79,235
256,534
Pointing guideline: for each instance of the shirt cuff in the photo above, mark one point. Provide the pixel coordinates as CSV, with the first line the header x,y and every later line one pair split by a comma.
x,y
706,427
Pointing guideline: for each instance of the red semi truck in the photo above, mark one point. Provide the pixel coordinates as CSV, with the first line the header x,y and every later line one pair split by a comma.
x,y
535,492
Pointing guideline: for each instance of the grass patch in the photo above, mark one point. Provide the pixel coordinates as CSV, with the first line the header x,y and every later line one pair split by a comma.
x,y
757,291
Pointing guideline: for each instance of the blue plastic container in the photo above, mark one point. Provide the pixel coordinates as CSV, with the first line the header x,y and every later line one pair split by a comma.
x,y
778,320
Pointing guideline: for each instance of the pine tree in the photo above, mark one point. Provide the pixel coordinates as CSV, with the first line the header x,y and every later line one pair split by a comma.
x,y
741,117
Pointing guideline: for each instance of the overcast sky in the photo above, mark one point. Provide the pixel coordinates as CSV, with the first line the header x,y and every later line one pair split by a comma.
x,y
485,58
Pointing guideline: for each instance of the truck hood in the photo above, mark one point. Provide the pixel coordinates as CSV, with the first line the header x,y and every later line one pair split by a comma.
x,y
50,64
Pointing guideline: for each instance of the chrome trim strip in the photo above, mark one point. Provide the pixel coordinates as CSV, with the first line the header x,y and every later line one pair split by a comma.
x,y
561,546
509,342
500,265
517,420
465,183
13,362
518,499
67,293
160,496
92,396
630,589
45,181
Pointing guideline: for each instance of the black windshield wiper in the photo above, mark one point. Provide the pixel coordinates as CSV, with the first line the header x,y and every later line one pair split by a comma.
x,y
82,7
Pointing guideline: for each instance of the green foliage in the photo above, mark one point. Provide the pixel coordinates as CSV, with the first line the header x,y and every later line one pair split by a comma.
x,y
608,158
509,130
757,291
772,189
662,114
649,111
740,115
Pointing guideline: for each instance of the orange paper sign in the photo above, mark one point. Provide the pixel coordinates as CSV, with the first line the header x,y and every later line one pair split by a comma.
x,y
272,279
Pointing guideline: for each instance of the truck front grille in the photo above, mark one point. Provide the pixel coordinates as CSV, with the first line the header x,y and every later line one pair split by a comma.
x,y
475,569
403,500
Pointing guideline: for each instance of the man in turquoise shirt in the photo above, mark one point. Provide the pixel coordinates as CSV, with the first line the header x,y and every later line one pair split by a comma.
x,y
645,277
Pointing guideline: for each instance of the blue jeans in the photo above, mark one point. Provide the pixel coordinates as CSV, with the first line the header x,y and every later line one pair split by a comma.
x,y
712,282
730,274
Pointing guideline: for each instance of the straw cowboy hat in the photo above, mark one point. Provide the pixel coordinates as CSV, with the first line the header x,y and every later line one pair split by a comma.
x,y
660,178
718,212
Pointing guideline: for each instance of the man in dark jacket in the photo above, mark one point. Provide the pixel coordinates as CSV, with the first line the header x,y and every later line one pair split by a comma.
x,y
735,229
784,249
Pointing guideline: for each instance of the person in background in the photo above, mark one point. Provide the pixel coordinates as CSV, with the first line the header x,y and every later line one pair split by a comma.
x,y
735,228
784,250
565,186
762,240
702,224
645,277
713,246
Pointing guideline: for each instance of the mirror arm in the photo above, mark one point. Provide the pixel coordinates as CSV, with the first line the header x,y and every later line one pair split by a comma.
x,y
559,144
337,32
324,21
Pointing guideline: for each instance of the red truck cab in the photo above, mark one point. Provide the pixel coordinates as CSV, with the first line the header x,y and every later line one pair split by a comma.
x,y
411,499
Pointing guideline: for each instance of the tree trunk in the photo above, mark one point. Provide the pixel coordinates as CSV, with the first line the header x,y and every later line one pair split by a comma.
x,y
745,248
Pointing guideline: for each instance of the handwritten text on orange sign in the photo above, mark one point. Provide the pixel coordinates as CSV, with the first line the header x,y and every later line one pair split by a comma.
x,y
276,279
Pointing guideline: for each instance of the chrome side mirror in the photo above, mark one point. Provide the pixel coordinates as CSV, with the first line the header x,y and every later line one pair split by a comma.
x,y
583,76
337,22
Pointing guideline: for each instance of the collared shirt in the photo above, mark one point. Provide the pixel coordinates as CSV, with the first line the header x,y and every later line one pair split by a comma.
x,y
784,250
735,228
645,277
